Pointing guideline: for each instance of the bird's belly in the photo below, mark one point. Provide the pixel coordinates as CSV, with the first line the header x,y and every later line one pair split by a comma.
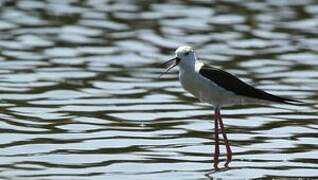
x,y
209,92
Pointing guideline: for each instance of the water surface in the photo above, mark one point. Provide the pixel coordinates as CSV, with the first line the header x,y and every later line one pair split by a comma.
x,y
81,98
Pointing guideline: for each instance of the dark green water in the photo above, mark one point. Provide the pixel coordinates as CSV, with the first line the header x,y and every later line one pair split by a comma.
x,y
81,98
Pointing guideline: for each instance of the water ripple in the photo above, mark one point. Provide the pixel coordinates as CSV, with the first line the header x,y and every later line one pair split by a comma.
x,y
81,95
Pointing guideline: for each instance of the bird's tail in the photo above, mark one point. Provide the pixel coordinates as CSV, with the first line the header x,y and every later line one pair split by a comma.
x,y
292,101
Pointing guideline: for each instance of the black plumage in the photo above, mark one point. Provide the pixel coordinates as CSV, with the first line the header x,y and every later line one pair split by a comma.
x,y
238,87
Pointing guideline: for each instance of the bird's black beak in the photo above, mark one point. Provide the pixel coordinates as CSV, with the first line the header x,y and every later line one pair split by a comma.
x,y
170,64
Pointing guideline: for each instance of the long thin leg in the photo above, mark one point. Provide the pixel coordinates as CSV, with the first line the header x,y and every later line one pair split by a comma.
x,y
216,138
226,141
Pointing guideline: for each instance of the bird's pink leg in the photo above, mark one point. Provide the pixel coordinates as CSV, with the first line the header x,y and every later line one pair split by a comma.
x,y
216,138
226,141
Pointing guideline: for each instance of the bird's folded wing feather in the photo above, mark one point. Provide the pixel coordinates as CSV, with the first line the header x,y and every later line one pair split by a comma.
x,y
231,83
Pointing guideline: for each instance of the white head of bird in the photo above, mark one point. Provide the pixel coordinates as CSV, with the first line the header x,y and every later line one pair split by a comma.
x,y
185,57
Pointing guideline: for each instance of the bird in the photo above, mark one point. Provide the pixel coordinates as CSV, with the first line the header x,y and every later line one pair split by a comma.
x,y
220,89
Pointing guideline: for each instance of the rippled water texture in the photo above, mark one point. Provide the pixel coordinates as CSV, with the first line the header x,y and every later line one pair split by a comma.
x,y
81,98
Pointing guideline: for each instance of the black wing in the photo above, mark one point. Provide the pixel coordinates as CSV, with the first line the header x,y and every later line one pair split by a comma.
x,y
238,87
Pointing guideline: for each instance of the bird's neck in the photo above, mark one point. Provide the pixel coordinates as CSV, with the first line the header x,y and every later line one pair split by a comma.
x,y
193,66
198,66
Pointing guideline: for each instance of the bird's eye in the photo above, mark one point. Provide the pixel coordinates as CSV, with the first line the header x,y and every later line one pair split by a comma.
x,y
187,53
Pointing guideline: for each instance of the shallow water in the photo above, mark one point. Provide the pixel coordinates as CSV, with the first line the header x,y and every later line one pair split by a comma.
x,y
81,97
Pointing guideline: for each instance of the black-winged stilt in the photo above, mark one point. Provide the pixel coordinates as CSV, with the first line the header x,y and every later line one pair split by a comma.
x,y
218,88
